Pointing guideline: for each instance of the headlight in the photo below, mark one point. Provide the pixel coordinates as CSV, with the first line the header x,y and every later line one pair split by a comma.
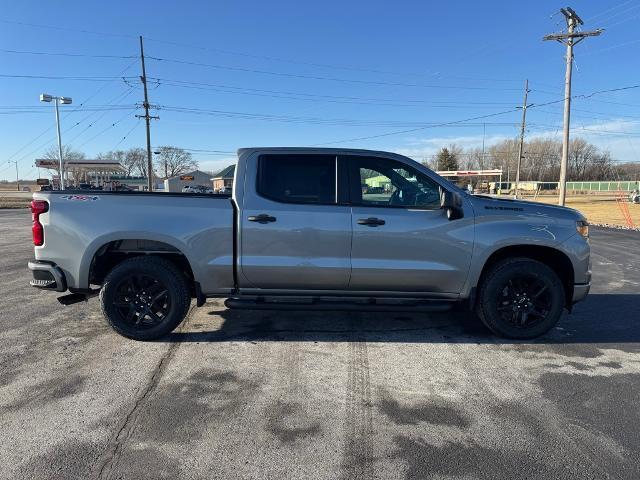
x,y
582,226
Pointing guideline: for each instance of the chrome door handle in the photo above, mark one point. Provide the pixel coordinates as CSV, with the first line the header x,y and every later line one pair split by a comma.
x,y
371,221
262,218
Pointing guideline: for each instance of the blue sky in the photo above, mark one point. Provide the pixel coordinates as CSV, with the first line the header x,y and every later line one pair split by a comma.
x,y
307,73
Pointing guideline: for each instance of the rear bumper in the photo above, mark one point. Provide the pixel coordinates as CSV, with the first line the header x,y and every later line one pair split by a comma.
x,y
580,291
47,276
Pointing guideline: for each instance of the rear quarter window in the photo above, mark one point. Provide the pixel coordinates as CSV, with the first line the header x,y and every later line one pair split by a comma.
x,y
298,178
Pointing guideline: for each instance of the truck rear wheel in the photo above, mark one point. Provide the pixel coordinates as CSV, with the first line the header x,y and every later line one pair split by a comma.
x,y
520,298
144,298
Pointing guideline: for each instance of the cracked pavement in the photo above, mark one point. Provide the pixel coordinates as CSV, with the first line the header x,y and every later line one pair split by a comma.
x,y
237,394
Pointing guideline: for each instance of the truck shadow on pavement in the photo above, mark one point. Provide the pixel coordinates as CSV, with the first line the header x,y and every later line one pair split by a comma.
x,y
602,319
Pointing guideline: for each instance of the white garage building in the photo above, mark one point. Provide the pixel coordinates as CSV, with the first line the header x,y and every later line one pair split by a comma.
x,y
197,177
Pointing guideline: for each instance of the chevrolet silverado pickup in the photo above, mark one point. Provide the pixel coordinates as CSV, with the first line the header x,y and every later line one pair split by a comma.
x,y
313,229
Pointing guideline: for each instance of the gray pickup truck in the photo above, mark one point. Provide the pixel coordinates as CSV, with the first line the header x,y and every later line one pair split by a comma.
x,y
314,229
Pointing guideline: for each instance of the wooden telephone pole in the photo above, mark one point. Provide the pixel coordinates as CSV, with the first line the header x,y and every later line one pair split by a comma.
x,y
147,119
570,38
522,128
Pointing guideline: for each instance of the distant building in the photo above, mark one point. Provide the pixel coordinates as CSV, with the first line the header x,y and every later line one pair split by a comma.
x,y
177,183
95,172
224,179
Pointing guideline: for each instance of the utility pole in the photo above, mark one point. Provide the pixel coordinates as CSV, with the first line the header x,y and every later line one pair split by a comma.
x,y
17,180
569,39
147,119
484,134
522,127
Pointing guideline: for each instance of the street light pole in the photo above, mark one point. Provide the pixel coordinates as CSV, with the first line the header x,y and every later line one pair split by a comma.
x,y
17,177
57,100
59,145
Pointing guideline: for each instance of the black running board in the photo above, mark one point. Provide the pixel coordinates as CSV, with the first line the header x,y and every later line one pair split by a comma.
x,y
422,306
77,297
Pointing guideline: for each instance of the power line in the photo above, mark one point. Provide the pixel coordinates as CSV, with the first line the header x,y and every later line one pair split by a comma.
x,y
622,21
73,110
324,65
256,56
35,110
318,97
42,145
60,77
121,96
121,119
618,13
444,124
64,54
136,125
612,47
597,92
66,29
615,7
298,119
318,77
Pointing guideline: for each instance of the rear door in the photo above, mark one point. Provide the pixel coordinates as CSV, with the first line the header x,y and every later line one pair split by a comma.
x,y
402,240
294,234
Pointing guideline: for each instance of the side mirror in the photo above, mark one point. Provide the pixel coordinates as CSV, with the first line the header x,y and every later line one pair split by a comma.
x,y
452,203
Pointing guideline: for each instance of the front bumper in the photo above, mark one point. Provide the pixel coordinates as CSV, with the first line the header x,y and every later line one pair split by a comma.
x,y
47,275
580,291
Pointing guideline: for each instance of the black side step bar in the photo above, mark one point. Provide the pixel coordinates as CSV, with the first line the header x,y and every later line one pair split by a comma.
x,y
422,306
77,297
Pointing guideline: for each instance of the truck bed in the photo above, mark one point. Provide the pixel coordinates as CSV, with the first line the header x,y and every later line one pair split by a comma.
x,y
79,224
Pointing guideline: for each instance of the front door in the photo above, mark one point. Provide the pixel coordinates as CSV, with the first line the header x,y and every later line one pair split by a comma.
x,y
294,234
402,240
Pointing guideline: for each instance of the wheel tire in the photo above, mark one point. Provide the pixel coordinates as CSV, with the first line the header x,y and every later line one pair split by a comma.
x,y
165,304
540,300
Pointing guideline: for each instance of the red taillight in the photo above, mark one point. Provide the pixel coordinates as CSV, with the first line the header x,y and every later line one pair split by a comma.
x,y
38,207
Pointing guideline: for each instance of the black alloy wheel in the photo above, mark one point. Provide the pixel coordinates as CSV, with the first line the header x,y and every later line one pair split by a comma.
x,y
145,297
520,298
142,301
525,301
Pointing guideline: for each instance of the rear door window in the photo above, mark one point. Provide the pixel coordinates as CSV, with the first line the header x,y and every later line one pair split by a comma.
x,y
298,178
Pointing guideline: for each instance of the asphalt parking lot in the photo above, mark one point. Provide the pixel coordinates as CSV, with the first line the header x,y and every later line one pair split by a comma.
x,y
329,395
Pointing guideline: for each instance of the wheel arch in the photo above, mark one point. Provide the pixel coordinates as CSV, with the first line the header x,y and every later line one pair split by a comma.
x,y
555,259
110,252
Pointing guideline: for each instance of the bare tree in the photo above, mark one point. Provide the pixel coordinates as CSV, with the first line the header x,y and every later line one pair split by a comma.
x,y
68,153
541,160
627,171
137,158
471,159
120,156
172,161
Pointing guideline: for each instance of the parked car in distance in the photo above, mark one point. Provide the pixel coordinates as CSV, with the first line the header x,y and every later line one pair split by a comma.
x,y
196,189
300,232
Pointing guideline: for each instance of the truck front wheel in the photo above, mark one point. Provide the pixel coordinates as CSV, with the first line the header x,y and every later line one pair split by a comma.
x,y
520,298
144,298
